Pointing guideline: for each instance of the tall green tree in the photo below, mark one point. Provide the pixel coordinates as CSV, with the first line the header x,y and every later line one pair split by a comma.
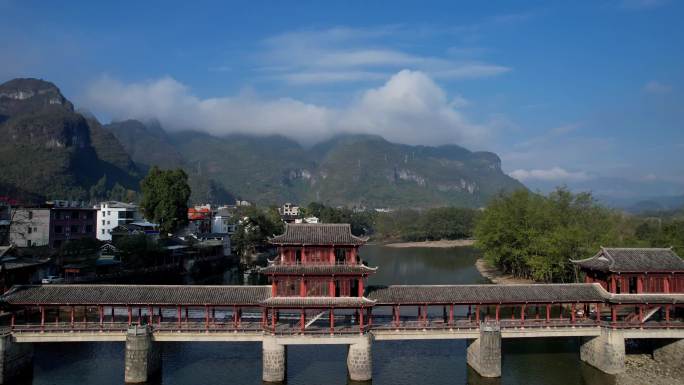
x,y
165,198
534,236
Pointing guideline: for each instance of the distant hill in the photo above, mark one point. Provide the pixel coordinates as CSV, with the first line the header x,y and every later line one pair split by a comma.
x,y
50,151
354,170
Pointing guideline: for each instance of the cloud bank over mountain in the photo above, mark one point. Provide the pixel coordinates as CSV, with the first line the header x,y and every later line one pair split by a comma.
x,y
408,108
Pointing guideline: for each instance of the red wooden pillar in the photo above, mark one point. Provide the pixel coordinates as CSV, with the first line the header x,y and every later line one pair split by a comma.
x,y
302,287
548,312
396,315
522,315
42,318
641,313
331,286
598,313
361,287
179,316
72,316
130,314
302,320
235,317
640,284
274,287
497,311
666,284
572,313
112,313
332,320
613,284
477,314
150,315
451,314
361,322
667,315
186,314
12,321
425,315
273,319
100,311
613,313
206,318
264,317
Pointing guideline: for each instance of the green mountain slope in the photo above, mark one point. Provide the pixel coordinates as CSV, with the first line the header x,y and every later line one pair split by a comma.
x,y
359,170
51,151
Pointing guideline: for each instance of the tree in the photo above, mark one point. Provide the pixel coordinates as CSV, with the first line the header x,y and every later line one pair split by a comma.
x,y
533,236
165,198
254,228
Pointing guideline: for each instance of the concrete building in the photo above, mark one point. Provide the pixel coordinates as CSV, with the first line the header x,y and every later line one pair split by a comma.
x,y
5,221
222,222
30,226
70,221
112,214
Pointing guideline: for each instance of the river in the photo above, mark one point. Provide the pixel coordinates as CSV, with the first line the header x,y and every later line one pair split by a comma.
x,y
525,362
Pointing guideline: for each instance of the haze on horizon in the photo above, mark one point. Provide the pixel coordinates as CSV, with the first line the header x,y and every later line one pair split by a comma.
x,y
587,94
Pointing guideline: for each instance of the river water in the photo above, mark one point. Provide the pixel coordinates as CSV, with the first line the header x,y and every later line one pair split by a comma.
x,y
525,362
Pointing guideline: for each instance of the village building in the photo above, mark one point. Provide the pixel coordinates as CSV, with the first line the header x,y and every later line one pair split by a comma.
x,y
222,221
30,226
70,221
112,214
634,270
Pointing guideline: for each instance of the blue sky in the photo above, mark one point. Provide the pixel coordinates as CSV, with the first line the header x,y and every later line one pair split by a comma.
x,y
578,93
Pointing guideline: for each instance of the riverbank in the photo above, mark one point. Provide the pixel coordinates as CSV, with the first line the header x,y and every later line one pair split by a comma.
x,y
442,244
642,369
497,276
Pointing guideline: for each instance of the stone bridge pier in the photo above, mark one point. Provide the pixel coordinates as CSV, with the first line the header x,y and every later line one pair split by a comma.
x,y
16,359
605,352
143,356
359,359
274,360
484,353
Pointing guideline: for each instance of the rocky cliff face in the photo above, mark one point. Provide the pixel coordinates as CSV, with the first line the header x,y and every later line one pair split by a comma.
x,y
52,151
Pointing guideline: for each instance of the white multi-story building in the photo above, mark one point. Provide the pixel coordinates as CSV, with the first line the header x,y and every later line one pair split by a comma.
x,y
221,221
289,210
112,214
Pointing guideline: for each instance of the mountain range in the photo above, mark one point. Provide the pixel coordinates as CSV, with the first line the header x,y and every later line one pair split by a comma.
x,y
53,151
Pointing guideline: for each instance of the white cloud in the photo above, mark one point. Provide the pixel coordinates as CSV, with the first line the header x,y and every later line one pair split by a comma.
x,y
409,108
655,87
352,55
555,174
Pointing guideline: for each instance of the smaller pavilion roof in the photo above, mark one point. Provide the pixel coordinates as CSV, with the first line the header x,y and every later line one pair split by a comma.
x,y
648,298
645,260
317,234
489,294
299,302
317,269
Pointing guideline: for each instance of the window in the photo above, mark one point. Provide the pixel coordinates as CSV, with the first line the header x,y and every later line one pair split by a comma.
x,y
28,243
103,222
107,222
74,229
58,229
89,214
30,215
58,215
35,229
89,229
29,229
102,231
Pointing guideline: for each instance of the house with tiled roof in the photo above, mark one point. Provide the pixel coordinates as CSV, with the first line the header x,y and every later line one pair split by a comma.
x,y
634,270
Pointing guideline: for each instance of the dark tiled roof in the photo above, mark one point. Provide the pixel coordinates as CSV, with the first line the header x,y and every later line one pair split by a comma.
x,y
317,269
298,302
648,298
136,294
317,234
445,294
633,260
